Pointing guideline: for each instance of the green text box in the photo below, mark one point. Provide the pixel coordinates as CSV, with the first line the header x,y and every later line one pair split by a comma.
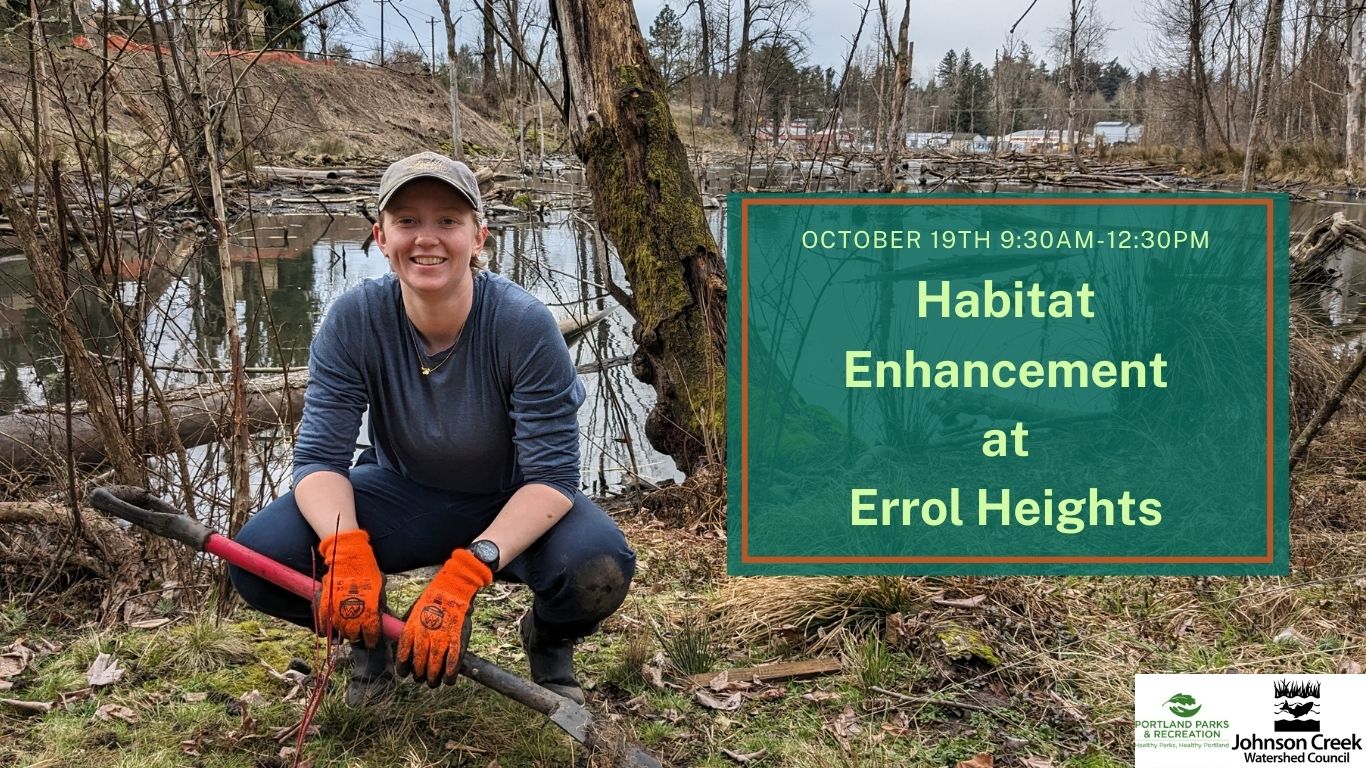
x,y
1008,384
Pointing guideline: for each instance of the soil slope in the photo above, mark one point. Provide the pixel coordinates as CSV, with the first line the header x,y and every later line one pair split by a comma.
x,y
292,112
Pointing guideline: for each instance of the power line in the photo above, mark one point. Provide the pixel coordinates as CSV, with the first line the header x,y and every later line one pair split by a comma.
x,y
431,22
381,30
416,40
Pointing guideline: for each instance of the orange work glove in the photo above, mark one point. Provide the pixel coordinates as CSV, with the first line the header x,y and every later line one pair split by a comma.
x,y
351,597
437,630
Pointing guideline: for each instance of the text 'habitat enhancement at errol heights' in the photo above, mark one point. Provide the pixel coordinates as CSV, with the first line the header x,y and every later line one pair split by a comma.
x,y
1008,384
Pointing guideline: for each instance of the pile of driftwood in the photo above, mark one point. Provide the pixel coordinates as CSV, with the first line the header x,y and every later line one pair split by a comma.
x,y
1311,275
136,205
1309,262
1045,170
48,547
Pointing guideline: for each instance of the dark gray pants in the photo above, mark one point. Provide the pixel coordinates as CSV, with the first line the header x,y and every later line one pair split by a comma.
x,y
579,570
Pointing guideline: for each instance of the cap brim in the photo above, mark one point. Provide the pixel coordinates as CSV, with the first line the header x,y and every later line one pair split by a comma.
x,y
405,180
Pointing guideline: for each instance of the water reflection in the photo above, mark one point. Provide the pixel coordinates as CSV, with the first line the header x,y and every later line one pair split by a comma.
x,y
287,271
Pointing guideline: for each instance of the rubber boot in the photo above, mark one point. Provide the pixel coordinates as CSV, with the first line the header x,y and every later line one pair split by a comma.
x,y
551,658
372,675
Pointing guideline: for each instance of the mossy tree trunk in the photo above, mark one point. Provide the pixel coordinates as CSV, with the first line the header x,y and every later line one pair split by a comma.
x,y
648,206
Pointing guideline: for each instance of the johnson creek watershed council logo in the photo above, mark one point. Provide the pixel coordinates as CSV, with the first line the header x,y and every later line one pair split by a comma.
x,y
1297,706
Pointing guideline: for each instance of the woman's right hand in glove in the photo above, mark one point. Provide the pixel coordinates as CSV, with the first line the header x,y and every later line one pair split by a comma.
x,y
351,598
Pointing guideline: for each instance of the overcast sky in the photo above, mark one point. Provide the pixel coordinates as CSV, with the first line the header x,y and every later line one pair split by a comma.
x,y
936,27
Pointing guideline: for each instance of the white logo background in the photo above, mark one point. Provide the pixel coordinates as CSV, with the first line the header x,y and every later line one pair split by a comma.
x,y
1249,704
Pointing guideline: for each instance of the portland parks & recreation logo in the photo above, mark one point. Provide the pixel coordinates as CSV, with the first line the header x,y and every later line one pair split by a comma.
x,y
1183,705
1178,726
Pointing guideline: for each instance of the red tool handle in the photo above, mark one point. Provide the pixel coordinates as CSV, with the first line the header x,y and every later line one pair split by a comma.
x,y
281,575
139,507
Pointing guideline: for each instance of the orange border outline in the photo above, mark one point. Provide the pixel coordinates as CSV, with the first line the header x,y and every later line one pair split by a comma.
x,y
1269,557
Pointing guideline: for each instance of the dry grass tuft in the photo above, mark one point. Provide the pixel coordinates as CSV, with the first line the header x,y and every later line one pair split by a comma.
x,y
200,646
1315,366
700,500
822,610
1334,501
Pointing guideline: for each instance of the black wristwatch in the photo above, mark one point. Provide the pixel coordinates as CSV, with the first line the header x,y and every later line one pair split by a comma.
x,y
487,553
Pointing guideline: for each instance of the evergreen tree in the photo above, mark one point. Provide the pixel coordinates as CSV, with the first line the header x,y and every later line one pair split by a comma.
x,y
947,73
666,42
781,83
1111,77
284,16
971,93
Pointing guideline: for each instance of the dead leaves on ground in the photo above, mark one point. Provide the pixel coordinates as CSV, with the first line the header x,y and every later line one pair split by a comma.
x,y
18,656
708,700
726,695
847,725
844,727
112,711
249,729
104,670
16,659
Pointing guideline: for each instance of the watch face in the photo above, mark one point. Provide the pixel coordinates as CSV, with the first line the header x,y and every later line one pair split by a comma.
x,y
486,552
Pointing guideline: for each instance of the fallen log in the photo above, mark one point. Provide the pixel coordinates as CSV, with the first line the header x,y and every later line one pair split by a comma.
x,y
769,673
1309,258
294,174
34,440
1047,170
200,414
574,328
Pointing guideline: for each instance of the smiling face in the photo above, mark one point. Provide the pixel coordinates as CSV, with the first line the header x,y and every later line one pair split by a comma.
x,y
429,233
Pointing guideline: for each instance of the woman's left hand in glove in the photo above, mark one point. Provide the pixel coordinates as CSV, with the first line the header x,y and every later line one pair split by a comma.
x,y
438,627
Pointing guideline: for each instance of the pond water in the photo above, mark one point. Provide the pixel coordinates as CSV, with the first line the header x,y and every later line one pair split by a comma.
x,y
288,269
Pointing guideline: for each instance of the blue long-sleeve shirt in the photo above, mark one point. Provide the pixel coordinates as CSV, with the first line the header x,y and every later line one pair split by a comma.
x,y
500,413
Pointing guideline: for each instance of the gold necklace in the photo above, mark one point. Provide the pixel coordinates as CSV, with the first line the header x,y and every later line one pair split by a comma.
x,y
427,371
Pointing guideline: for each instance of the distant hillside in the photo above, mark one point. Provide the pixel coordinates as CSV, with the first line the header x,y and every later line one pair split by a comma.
x,y
291,112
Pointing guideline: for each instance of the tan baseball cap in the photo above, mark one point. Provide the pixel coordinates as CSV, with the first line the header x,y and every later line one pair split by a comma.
x,y
430,165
